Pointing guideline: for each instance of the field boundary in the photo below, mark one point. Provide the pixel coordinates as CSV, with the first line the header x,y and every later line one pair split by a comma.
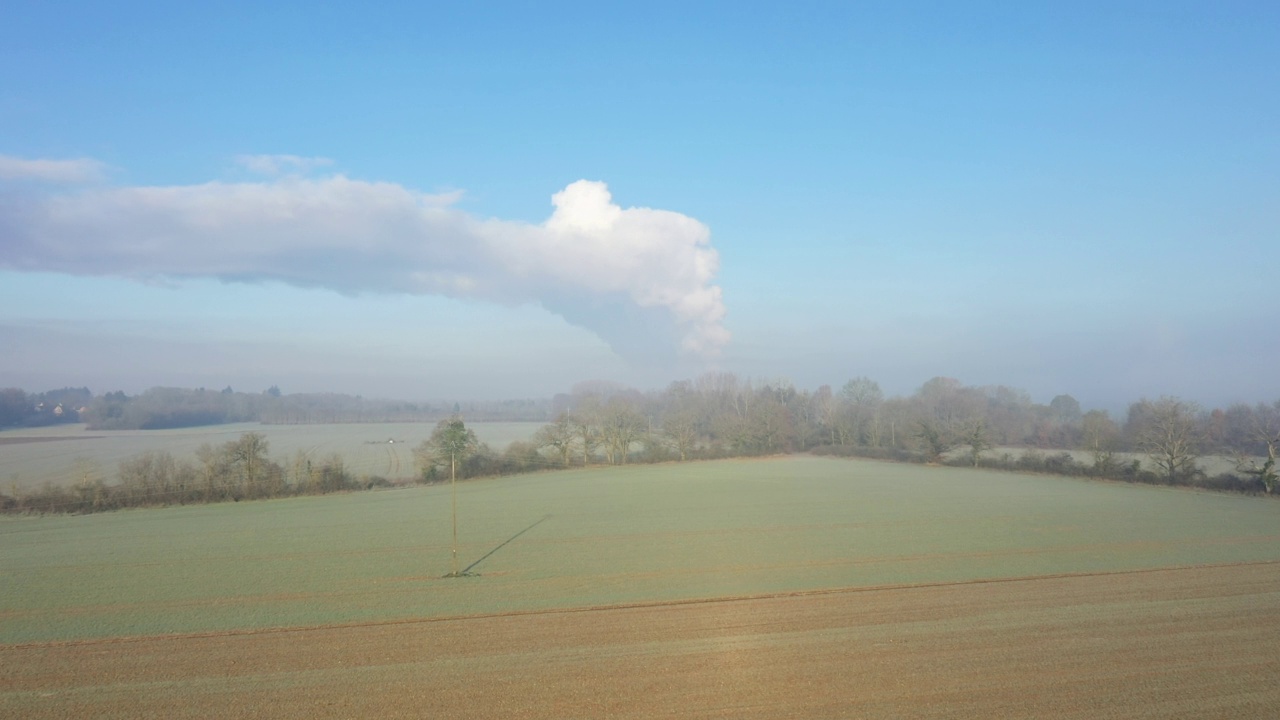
x,y
816,592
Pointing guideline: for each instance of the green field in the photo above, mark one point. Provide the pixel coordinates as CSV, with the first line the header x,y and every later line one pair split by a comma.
x,y
594,537
64,452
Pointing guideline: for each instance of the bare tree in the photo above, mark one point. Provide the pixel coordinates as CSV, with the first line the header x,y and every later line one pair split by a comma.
x,y
586,422
304,479
247,459
561,436
89,485
620,426
771,426
862,397
212,466
681,431
1266,430
1101,437
1167,433
1266,473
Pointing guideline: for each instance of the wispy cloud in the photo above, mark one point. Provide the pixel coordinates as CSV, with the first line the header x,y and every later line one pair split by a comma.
x,y
78,170
640,278
273,165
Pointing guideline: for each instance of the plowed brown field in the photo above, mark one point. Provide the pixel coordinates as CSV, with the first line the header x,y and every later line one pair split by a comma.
x,y
1200,642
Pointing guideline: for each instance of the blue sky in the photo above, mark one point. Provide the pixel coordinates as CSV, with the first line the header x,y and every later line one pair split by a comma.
x,y
1060,197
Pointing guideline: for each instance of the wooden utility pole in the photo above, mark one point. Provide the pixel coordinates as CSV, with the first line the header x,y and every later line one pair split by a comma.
x,y
452,438
453,486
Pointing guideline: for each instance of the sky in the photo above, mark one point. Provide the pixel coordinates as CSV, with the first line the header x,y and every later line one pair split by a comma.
x,y
500,200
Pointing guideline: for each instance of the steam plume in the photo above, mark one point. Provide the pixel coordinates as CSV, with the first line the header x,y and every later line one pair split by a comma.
x,y
640,278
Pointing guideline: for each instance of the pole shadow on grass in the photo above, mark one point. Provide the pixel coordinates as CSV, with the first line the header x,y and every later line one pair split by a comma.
x,y
466,572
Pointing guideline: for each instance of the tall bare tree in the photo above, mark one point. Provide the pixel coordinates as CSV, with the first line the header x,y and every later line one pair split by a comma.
x,y
861,397
680,429
560,435
620,426
1167,432
247,459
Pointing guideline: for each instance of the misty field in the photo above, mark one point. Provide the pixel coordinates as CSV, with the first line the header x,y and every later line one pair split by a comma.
x,y
805,583
61,454
596,537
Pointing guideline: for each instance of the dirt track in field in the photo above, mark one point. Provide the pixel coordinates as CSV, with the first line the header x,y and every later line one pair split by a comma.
x,y
25,439
1196,642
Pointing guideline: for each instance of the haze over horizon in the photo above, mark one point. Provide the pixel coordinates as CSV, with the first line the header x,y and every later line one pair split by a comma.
x,y
499,202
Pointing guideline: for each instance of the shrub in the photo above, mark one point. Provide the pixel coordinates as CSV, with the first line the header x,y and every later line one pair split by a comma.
x,y
1032,461
1229,482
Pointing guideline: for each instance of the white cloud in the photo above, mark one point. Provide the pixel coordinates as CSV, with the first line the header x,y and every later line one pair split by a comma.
x,y
640,278
79,170
273,165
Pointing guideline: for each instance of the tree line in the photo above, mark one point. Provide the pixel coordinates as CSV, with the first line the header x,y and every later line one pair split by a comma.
x,y
944,421
239,469
719,415
242,469
164,408
19,408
